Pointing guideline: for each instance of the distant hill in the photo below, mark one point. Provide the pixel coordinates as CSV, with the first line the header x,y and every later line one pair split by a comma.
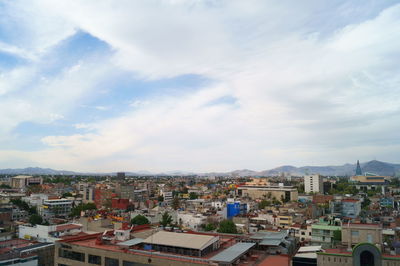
x,y
375,167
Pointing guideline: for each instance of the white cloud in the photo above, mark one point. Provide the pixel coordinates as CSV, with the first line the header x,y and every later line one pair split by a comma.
x,y
303,94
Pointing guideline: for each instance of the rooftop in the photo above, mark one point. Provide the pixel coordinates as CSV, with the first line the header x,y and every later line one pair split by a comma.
x,y
230,254
193,241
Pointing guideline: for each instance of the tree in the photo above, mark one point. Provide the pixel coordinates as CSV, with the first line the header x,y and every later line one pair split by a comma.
x,y
193,195
35,219
66,195
4,186
160,198
175,203
76,211
209,227
227,226
263,204
166,219
140,220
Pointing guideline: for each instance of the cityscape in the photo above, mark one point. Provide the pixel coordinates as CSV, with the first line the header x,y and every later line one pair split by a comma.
x,y
199,132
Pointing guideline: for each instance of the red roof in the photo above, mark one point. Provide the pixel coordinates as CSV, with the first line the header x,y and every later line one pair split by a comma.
x,y
64,227
349,200
275,260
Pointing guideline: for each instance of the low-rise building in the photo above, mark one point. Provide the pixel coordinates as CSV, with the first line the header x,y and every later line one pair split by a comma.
x,y
352,234
323,233
287,193
55,207
48,233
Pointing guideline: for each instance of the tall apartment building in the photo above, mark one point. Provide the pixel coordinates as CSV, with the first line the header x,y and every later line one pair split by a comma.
x,y
313,184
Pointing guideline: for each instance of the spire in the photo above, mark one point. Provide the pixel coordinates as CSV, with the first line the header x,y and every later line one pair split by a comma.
x,y
358,169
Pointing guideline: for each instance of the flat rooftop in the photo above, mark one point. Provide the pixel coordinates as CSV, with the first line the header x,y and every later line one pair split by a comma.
x,y
193,241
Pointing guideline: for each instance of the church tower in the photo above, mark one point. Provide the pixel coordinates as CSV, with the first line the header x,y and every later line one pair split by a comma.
x,y
358,169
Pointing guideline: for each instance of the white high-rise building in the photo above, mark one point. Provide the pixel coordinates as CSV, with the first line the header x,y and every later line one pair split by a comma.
x,y
313,184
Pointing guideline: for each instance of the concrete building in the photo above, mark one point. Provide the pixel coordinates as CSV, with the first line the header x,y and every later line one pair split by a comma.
x,y
313,184
181,243
55,208
350,208
22,181
160,248
352,234
285,220
323,232
47,233
21,252
363,254
191,220
287,193
88,194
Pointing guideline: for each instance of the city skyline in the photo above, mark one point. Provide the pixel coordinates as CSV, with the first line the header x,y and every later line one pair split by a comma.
x,y
197,85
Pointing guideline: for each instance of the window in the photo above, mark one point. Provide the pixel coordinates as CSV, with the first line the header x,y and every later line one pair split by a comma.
x,y
111,262
354,233
93,259
370,239
72,255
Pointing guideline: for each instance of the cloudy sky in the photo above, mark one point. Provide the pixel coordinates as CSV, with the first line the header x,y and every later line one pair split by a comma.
x,y
198,85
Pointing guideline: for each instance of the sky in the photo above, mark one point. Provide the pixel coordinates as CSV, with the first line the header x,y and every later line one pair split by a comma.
x,y
198,85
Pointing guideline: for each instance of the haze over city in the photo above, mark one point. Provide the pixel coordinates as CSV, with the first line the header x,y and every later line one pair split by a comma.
x,y
198,85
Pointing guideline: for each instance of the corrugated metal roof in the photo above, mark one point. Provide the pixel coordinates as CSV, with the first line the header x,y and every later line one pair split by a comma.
x,y
131,242
232,253
270,235
270,242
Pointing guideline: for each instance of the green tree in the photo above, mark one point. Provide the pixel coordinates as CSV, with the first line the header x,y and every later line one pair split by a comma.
x,y
193,195
76,211
166,219
209,227
227,226
4,186
66,195
160,198
140,220
35,219
263,204
176,203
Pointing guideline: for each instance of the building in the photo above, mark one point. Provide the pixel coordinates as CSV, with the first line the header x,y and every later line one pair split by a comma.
x,y
26,253
121,175
370,182
22,181
352,234
48,233
191,220
323,232
306,256
274,242
119,204
285,220
313,184
363,254
350,208
181,243
168,196
159,248
88,194
102,197
287,193
55,208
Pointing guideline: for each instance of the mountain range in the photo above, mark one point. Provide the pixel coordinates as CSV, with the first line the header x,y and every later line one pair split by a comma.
x,y
375,167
